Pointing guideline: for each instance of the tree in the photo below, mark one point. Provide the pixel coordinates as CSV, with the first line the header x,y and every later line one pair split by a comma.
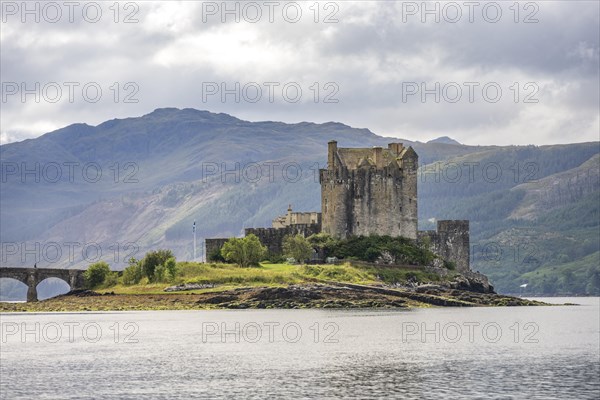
x,y
245,251
111,279
171,267
161,274
297,247
166,272
153,259
133,274
323,241
96,274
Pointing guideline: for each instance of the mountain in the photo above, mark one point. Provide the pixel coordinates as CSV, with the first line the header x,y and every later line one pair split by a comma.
x,y
530,208
445,140
130,185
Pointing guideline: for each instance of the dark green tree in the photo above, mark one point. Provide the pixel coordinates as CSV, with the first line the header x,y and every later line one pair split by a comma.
x,y
96,274
297,247
133,274
153,259
245,251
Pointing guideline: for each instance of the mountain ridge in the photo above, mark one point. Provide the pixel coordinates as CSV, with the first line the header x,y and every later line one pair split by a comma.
x,y
166,153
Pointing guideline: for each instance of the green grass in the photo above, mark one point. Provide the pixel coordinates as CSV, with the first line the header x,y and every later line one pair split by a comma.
x,y
267,274
232,274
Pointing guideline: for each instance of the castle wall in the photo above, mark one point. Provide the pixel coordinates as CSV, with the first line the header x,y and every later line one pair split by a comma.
x,y
336,210
273,237
213,245
451,242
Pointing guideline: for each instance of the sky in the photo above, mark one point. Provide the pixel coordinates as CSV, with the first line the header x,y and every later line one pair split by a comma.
x,y
484,73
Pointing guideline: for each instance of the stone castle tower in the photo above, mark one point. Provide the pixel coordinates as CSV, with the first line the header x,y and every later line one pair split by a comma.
x,y
369,191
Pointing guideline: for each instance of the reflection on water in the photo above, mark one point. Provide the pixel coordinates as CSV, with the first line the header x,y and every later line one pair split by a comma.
x,y
521,352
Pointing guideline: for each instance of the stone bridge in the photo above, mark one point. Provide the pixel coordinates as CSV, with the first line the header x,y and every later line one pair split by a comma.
x,y
33,276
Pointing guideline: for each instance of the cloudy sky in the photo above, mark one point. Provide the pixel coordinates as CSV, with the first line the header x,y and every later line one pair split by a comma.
x,y
481,72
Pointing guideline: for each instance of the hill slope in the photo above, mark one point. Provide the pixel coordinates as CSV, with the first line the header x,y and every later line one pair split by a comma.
x,y
129,185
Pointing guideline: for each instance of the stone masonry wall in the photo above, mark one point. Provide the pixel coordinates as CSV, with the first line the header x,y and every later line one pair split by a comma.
x,y
451,242
212,245
273,237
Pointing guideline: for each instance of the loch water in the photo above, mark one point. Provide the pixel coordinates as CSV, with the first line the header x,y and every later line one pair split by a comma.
x,y
437,353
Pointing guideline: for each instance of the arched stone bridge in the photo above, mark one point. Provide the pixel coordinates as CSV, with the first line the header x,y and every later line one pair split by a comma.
x,y
33,276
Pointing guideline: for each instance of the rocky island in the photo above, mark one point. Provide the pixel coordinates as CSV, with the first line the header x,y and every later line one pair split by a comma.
x,y
363,249
362,285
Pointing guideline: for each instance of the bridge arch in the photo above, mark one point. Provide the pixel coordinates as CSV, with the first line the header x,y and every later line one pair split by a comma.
x,y
12,289
33,276
51,284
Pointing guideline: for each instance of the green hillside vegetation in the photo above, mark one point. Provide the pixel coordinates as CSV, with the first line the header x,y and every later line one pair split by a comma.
x,y
581,276
543,206
551,222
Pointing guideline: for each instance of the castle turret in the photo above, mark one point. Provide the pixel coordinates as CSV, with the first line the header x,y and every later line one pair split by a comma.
x,y
288,217
395,148
331,151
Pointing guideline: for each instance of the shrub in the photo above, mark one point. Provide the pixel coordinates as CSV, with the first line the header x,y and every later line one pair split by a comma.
x,y
323,241
161,274
153,259
297,247
370,248
451,265
274,258
133,274
111,279
96,274
245,251
166,272
171,266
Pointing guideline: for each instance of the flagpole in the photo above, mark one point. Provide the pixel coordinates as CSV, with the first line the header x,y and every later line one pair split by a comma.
x,y
194,229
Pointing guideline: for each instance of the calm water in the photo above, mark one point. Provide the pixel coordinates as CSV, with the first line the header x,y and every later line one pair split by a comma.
x,y
500,353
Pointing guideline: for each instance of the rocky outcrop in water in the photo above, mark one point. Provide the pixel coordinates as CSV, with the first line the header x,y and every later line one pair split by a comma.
x,y
339,295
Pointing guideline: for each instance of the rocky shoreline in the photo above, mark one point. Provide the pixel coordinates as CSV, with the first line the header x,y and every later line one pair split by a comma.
x,y
326,295
338,295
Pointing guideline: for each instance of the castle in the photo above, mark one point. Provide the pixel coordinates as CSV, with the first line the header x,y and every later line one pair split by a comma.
x,y
367,191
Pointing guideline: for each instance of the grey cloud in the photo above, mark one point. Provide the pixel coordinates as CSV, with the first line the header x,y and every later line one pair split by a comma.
x,y
368,58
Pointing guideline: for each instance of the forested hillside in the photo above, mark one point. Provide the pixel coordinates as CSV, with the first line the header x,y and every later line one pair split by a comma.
x,y
534,210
